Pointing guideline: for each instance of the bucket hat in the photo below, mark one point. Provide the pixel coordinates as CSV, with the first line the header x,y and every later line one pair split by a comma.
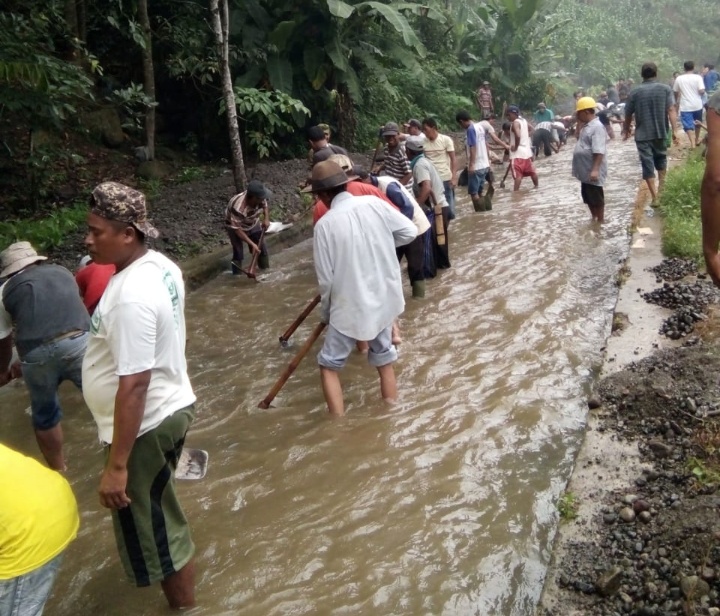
x,y
115,201
326,175
17,256
257,189
391,128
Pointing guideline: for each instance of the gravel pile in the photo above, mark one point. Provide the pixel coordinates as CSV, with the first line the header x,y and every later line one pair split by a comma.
x,y
698,295
655,547
681,323
674,269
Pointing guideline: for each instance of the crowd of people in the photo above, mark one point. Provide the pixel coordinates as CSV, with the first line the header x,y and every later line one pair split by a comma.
x,y
117,328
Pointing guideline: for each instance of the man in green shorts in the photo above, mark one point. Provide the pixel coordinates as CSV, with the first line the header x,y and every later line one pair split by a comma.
x,y
138,391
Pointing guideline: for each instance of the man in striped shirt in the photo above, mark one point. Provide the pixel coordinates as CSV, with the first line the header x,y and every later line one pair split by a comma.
x,y
396,164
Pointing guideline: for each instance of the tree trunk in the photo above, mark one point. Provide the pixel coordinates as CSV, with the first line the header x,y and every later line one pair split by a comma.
x,y
148,78
220,21
82,20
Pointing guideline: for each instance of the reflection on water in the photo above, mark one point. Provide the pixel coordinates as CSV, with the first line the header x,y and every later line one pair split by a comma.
x,y
441,505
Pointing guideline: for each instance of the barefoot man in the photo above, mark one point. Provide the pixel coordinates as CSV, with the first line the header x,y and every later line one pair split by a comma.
x,y
710,191
359,278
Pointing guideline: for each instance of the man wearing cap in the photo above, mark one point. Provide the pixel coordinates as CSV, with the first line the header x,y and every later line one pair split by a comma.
x,y
139,393
484,101
430,194
414,129
589,164
440,151
478,161
40,304
320,145
359,279
652,106
543,114
395,163
242,221
710,191
521,153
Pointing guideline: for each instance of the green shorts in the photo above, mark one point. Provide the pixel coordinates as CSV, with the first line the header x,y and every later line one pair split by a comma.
x,y
152,533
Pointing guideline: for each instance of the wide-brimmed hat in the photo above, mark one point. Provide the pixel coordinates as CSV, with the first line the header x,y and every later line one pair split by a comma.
x,y
17,256
391,128
327,175
256,188
116,201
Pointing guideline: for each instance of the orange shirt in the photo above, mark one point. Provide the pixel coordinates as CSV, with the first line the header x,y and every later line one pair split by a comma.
x,y
356,189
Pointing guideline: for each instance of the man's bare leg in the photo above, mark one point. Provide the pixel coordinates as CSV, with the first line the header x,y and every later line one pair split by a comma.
x,y
388,384
534,179
179,588
697,135
332,390
396,337
516,183
661,179
690,135
51,445
651,187
362,346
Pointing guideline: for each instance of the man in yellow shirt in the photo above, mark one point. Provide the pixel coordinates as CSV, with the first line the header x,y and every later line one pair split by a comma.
x,y
38,520
440,151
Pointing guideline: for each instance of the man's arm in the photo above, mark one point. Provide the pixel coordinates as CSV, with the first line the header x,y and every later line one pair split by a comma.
x,y
516,132
323,271
453,168
245,238
266,214
399,199
710,196
673,118
406,178
497,140
424,190
129,411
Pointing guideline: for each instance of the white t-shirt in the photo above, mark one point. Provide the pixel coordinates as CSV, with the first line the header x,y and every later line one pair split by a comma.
x,y
487,127
689,85
524,149
139,325
481,154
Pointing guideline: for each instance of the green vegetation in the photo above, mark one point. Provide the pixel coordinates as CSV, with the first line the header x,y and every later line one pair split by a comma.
x,y
567,506
703,473
680,207
47,232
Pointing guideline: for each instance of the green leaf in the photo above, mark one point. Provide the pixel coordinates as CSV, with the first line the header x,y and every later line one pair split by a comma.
x,y
280,73
250,78
315,69
281,34
399,23
340,9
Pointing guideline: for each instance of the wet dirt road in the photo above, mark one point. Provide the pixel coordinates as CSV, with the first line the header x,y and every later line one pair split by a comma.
x,y
443,504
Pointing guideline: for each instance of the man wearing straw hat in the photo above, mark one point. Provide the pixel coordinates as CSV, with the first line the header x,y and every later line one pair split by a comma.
x,y
359,279
139,393
40,303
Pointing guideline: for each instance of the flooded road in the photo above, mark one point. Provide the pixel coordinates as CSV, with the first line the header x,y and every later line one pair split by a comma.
x,y
443,504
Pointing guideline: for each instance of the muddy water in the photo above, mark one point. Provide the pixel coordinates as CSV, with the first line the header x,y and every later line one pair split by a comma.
x,y
441,505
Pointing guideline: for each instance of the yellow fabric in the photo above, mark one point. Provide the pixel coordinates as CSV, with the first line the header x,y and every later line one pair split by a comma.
x,y
38,514
438,153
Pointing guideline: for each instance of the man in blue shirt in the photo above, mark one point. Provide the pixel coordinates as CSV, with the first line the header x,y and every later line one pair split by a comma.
x,y
710,77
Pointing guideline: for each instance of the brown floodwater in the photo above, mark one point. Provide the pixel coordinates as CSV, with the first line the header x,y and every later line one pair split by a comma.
x,y
442,504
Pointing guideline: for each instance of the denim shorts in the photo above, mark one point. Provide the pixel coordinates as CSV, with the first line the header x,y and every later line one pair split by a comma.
x,y
337,349
44,368
688,118
476,180
449,197
26,595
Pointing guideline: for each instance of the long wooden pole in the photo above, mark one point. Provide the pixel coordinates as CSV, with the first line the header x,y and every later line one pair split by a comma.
x,y
265,403
296,323
253,264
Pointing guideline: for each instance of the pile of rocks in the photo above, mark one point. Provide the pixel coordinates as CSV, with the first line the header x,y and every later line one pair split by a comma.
x,y
674,269
688,299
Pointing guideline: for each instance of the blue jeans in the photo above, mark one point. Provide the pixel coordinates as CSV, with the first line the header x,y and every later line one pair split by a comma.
x,y
476,180
26,595
44,368
449,197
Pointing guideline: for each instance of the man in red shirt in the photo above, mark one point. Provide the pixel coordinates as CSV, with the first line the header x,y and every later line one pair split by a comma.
x,y
92,279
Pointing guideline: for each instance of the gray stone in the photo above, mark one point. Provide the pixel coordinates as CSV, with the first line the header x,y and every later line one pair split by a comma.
x,y
627,514
609,518
640,505
629,499
594,403
708,573
644,517
660,449
609,582
693,587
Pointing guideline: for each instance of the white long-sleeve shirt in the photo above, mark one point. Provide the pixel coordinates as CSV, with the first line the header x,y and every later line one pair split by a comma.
x,y
356,265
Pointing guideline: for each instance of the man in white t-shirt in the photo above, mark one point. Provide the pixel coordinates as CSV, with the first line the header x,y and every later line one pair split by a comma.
x,y
689,89
478,161
139,393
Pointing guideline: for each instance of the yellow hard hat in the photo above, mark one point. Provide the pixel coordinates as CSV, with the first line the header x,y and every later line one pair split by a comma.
x,y
586,102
